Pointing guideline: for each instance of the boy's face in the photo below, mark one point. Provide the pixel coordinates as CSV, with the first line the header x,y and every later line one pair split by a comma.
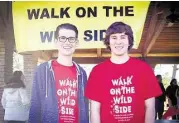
x,y
66,42
175,83
119,44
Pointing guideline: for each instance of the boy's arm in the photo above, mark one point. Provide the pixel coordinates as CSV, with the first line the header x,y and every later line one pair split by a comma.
x,y
150,110
95,111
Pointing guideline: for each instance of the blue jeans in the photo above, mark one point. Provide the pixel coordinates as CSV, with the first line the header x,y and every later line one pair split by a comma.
x,y
159,108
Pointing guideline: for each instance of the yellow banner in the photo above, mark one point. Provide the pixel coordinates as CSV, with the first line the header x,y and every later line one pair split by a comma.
x,y
35,22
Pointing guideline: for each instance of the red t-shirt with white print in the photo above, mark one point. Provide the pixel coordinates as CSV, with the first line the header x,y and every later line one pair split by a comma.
x,y
122,90
66,91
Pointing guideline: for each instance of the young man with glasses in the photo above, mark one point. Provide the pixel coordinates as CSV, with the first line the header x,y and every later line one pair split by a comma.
x,y
58,86
122,88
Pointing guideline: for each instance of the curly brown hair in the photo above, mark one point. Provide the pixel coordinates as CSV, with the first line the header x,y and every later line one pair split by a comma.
x,y
119,27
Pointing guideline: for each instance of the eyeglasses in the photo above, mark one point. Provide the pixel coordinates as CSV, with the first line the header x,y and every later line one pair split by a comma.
x,y
63,39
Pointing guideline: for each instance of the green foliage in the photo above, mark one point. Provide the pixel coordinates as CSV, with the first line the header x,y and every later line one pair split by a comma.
x,y
166,79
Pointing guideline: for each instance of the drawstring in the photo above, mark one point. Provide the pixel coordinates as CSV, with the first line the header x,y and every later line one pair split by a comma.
x,y
77,78
46,91
82,82
78,72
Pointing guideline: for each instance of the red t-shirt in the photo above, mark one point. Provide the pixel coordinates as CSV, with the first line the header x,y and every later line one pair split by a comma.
x,y
122,90
66,90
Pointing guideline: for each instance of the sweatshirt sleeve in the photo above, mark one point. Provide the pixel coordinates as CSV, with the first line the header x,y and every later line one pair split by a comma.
x,y
35,107
3,100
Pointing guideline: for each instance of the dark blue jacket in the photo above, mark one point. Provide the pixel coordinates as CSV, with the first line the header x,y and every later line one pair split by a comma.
x,y
44,107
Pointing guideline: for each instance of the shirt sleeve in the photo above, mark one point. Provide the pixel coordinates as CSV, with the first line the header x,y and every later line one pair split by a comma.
x,y
3,100
150,84
35,107
93,90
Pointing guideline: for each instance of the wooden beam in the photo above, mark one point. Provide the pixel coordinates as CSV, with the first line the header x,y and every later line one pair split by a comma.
x,y
149,60
85,55
132,55
99,52
105,55
162,60
163,55
155,28
76,54
88,60
92,55
3,18
155,36
151,28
